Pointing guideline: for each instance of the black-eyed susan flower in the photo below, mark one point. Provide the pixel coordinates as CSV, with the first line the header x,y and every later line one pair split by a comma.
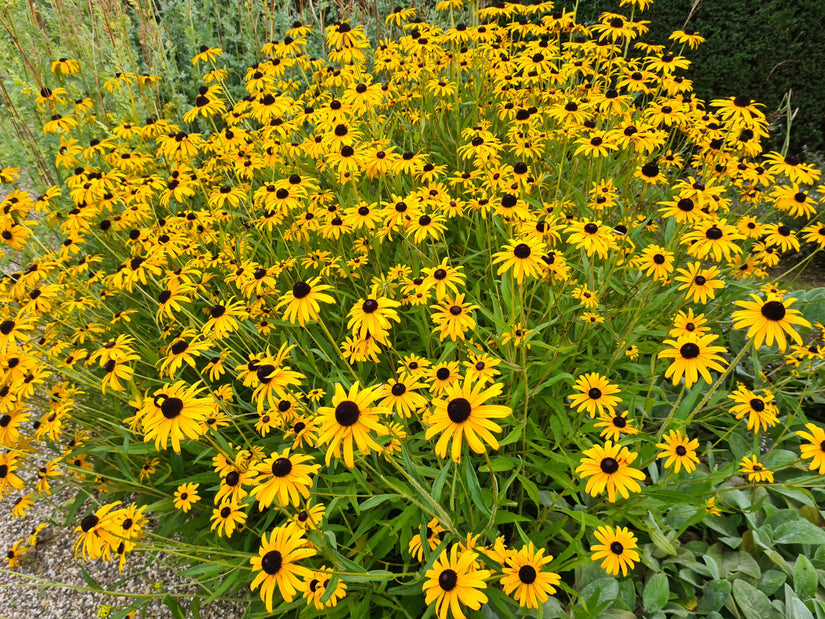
x,y
464,414
432,535
616,549
755,471
373,316
302,301
768,320
656,262
228,516
761,409
608,468
815,449
679,451
277,563
693,356
615,425
186,495
595,394
481,367
317,590
402,396
65,66
96,534
522,257
175,412
687,323
15,553
524,578
453,318
8,479
350,422
283,477
699,283
455,580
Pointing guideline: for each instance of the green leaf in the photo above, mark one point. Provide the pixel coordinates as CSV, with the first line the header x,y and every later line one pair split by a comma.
x,y
531,489
376,500
804,577
600,592
714,594
798,532
794,607
474,488
656,593
771,581
177,610
752,602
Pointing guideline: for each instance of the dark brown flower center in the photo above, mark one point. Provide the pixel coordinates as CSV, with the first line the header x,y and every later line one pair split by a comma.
x,y
527,574
301,290
609,465
773,310
757,404
448,580
271,562
616,548
281,467
458,410
171,407
522,250
689,350
347,413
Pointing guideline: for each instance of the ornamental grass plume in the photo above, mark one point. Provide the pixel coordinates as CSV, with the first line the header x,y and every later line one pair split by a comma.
x,y
481,311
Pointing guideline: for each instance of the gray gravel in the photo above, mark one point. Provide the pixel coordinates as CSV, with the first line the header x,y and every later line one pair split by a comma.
x,y
53,560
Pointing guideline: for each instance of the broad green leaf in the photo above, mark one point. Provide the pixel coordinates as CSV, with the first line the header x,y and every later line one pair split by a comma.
x,y
656,593
714,594
804,577
798,532
752,602
794,607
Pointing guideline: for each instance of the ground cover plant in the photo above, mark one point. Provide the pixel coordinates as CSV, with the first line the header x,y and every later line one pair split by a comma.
x,y
474,320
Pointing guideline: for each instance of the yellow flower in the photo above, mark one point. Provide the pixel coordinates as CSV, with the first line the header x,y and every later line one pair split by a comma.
x,y
616,547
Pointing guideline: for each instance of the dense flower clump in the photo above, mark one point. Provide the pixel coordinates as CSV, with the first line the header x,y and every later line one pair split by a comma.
x,y
408,321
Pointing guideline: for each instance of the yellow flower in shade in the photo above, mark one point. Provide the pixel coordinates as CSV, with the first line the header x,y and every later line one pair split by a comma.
x,y
523,257
453,318
283,477
65,66
316,593
432,533
302,301
350,421
692,356
755,471
816,449
175,412
595,395
769,320
711,508
609,469
679,451
464,414
617,549
311,517
525,580
227,516
615,425
454,580
277,563
186,496
761,410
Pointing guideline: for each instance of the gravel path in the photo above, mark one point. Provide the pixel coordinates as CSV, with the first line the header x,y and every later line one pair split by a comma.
x,y
53,560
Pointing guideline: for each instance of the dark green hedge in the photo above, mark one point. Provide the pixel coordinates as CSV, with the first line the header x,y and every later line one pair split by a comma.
x,y
761,48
